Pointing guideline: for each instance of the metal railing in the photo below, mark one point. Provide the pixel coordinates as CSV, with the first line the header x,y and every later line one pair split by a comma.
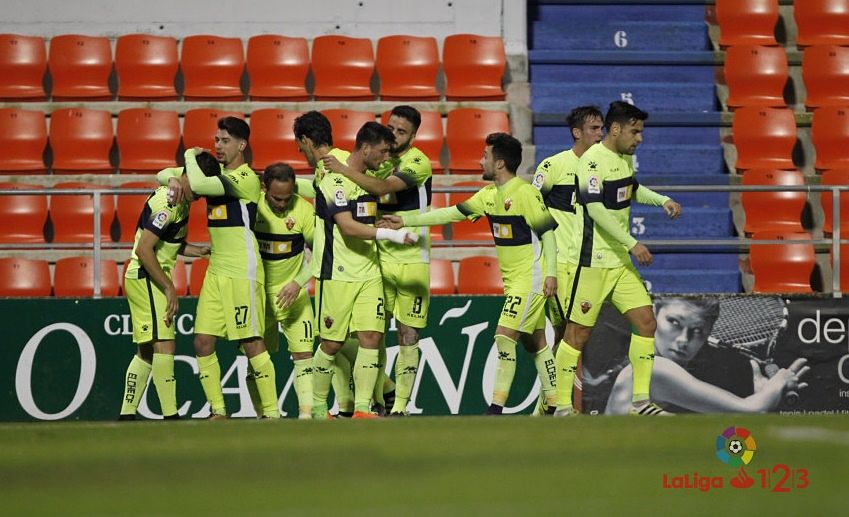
x,y
730,245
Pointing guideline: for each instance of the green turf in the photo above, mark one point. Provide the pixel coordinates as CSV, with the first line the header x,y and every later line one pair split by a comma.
x,y
414,466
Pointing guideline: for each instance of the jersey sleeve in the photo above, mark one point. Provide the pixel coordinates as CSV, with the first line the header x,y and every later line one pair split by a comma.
x,y
337,193
157,215
544,177
475,207
415,172
590,182
308,221
536,213
242,183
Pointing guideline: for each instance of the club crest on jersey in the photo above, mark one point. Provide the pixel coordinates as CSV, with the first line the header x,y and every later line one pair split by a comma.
x,y
586,306
328,321
339,197
290,223
594,185
508,203
539,178
159,219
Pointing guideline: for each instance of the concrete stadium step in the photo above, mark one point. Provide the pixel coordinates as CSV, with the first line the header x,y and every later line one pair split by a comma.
x,y
670,97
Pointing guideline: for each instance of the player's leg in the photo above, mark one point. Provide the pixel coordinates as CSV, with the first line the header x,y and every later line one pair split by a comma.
x,y
209,324
135,381
162,371
138,371
411,306
379,405
589,288
633,301
556,306
533,339
368,320
334,302
343,379
298,329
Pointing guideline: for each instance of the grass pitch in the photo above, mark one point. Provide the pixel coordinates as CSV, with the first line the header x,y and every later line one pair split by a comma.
x,y
417,466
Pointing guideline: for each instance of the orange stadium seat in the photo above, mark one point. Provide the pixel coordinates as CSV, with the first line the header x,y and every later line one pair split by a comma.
x,y
148,140
835,177
197,274
23,61
146,66
80,67
782,268
830,136
200,125
825,71
756,76
821,22
345,124
407,66
23,138
466,134
764,138
23,278
73,277
23,216
474,66
129,208
278,68
429,137
342,68
773,211
212,68
178,276
747,22
198,230
467,230
442,277
272,139
81,140
72,215
480,275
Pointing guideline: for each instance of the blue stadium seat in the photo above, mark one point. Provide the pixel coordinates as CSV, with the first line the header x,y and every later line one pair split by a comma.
x,y
655,96
693,273
694,222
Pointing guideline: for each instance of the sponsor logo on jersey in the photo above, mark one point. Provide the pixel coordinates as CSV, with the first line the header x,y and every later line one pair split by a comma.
x,y
539,178
623,193
502,230
218,213
339,197
159,219
366,209
593,165
594,185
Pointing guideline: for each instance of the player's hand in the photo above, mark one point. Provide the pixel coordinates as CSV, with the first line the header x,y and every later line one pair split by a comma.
x,y
288,294
410,238
171,305
175,191
672,209
390,221
549,287
642,254
204,251
333,164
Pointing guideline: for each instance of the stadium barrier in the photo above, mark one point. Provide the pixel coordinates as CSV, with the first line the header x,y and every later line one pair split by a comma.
x,y
65,359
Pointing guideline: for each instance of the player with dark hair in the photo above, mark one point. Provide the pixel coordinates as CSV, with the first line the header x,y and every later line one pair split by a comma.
x,y
683,328
527,255
349,290
314,137
284,225
403,184
600,255
232,299
160,237
555,179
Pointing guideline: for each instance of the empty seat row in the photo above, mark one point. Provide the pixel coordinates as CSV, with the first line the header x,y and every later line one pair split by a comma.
x,y
277,67
752,22
74,277
765,137
756,76
149,140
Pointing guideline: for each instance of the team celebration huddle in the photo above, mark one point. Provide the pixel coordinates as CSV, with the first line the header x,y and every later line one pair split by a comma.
x,y
562,241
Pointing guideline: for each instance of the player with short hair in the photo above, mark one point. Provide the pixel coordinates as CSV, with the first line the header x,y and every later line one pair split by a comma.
x,y
349,290
403,184
232,299
284,225
527,255
160,237
600,255
555,179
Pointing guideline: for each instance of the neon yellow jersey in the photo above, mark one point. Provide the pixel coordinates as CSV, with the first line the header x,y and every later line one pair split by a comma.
x,y
335,256
282,238
413,168
603,177
169,223
555,179
517,218
231,218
